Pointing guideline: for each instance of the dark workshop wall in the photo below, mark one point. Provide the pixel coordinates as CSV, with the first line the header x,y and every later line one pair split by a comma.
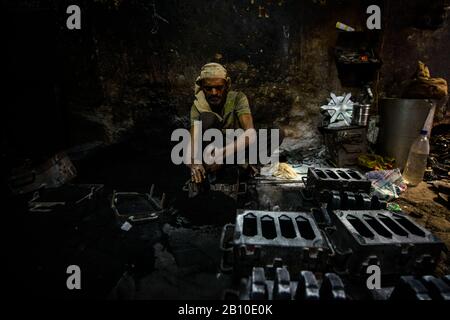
x,y
128,73
415,30
278,53
33,120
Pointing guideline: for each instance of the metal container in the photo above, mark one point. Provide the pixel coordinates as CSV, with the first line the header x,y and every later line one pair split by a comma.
x,y
400,123
361,113
345,144
137,207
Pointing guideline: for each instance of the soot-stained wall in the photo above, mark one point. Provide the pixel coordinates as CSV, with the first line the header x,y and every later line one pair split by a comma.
x,y
129,71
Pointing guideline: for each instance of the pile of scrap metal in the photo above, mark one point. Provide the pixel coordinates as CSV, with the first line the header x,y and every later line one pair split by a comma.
x,y
438,172
346,233
56,171
442,188
53,173
439,159
50,190
74,220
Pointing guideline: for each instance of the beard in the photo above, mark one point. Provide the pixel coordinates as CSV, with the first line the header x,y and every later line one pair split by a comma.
x,y
214,100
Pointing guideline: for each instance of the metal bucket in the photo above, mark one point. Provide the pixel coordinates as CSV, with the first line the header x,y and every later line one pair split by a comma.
x,y
361,113
400,123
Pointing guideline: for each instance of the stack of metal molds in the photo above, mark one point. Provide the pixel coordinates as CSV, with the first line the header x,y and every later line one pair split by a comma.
x,y
346,233
276,282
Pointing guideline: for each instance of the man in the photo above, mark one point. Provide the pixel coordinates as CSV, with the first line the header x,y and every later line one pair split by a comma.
x,y
216,106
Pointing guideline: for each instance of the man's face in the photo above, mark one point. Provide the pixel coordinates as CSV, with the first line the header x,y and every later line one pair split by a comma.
x,y
215,91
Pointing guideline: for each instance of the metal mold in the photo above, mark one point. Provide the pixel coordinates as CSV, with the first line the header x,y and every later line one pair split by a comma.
x,y
276,282
259,237
391,240
137,207
337,179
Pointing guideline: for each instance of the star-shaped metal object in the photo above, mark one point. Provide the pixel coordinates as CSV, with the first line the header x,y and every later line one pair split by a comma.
x,y
340,109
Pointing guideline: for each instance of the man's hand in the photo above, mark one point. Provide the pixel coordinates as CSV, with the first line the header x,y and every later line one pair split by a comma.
x,y
198,173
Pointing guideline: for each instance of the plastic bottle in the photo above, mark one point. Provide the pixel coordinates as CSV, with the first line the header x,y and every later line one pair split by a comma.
x,y
417,160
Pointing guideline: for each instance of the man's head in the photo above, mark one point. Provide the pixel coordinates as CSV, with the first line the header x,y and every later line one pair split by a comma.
x,y
215,90
214,83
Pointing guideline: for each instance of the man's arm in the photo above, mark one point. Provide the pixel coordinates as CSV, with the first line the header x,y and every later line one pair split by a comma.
x,y
198,172
245,139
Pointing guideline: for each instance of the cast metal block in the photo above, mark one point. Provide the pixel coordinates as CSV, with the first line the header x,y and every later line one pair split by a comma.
x,y
319,179
391,240
260,237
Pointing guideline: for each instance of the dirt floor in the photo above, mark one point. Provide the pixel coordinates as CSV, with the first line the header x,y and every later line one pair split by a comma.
x,y
421,203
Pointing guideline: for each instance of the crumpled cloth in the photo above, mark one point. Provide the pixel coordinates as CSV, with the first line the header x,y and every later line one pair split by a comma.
x,y
387,184
285,171
280,170
423,86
